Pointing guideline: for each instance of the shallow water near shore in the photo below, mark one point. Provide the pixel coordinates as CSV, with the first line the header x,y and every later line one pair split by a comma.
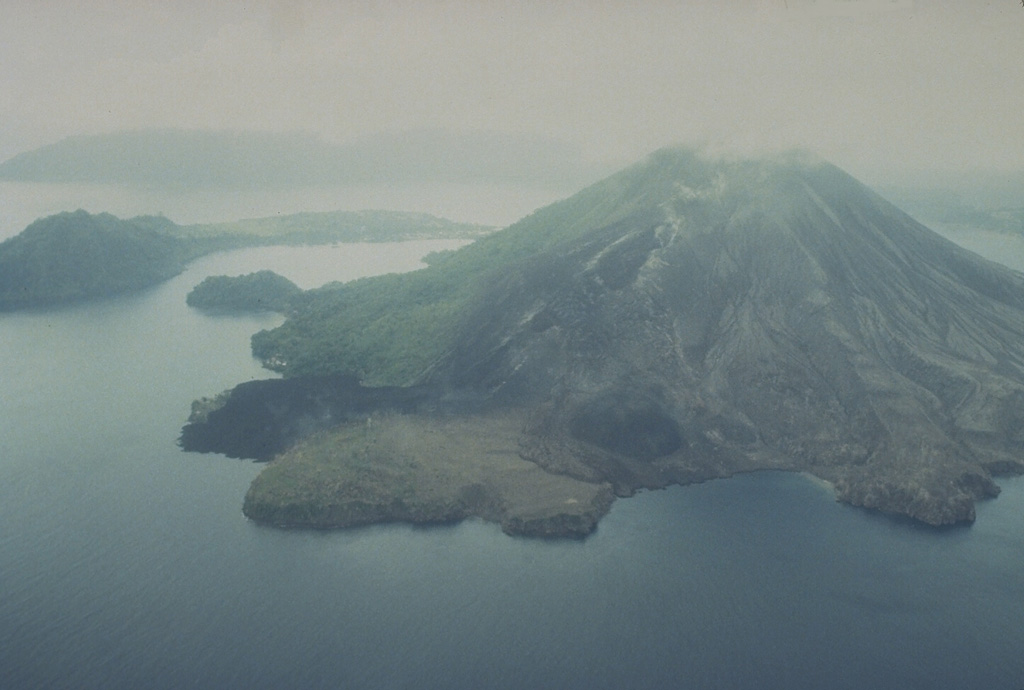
x,y
127,563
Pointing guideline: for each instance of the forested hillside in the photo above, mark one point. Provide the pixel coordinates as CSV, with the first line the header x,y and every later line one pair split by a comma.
x,y
75,256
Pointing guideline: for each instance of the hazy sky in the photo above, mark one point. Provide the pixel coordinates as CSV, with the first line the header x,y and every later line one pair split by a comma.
x,y
870,84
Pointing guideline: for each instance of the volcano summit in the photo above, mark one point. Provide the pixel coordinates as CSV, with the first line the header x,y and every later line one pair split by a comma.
x,y
684,319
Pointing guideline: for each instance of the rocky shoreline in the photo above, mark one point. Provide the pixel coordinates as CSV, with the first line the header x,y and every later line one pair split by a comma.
x,y
344,456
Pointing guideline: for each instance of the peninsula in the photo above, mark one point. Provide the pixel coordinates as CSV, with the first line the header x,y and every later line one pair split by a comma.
x,y
685,319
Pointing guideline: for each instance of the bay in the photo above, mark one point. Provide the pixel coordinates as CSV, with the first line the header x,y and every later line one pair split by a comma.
x,y
126,563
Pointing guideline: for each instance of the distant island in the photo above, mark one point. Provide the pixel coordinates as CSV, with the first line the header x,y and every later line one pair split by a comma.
x,y
253,292
238,159
77,256
685,319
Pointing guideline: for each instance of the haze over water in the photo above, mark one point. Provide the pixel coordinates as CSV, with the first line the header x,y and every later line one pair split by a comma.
x,y
126,563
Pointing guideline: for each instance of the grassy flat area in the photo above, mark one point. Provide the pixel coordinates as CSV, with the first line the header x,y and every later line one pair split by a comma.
x,y
423,469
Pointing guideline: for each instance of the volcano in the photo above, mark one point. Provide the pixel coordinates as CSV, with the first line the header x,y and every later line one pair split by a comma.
x,y
691,318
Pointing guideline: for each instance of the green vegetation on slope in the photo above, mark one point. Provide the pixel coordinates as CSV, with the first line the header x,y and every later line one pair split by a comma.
x,y
76,256
390,330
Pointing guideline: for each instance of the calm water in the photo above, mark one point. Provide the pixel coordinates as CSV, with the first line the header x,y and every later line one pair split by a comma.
x,y
125,563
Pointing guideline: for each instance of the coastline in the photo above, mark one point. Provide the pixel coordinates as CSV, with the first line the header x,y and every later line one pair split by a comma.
x,y
343,455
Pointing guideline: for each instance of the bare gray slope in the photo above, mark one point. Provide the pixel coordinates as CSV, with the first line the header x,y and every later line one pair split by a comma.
x,y
762,314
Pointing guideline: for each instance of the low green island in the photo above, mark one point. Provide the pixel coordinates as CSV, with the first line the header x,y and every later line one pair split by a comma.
x,y
77,256
254,292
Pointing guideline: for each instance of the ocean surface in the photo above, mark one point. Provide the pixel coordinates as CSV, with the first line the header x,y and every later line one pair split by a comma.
x,y
127,563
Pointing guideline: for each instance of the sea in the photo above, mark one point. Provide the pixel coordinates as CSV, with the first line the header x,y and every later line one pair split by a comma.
x,y
127,563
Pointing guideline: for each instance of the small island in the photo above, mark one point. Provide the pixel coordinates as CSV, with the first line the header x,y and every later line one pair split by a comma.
x,y
254,292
